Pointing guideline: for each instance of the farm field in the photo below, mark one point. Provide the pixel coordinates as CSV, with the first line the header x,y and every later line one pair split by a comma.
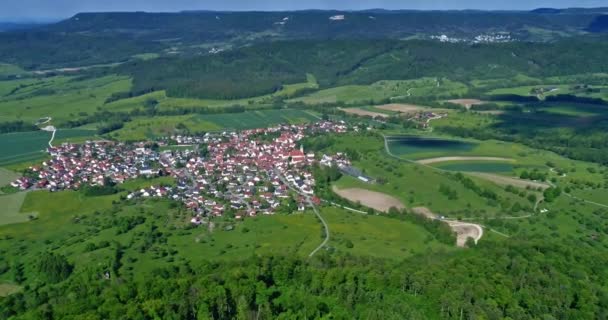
x,y
141,129
384,89
371,199
364,112
60,97
6,177
11,208
26,146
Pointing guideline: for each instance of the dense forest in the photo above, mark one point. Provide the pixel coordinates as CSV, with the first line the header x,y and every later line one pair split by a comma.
x,y
538,279
261,69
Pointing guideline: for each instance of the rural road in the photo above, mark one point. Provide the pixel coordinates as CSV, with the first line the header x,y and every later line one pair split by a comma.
x,y
314,208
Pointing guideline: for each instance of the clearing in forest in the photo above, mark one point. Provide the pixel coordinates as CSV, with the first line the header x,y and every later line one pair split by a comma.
x,y
463,230
371,199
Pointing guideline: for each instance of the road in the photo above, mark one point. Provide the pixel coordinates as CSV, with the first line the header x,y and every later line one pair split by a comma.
x,y
314,208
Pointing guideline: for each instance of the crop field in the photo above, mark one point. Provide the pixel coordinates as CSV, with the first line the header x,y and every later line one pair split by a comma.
x,y
57,97
259,119
385,89
377,236
141,129
11,209
25,146
6,177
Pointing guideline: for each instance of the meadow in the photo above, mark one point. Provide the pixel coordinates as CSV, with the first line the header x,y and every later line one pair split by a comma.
x,y
11,209
141,129
90,228
62,98
385,89
6,177
27,146
477,166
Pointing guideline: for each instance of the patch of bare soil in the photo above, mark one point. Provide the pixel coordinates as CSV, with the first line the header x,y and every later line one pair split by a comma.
x,y
463,230
400,107
371,199
445,159
362,112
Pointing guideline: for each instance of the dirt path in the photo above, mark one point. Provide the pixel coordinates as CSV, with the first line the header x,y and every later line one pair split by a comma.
x,y
371,199
456,158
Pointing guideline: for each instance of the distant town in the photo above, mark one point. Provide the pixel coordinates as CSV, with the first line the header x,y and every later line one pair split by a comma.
x,y
250,172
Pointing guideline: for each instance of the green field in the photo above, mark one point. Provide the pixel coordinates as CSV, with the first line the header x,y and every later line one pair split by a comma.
x,y
10,69
169,103
417,147
26,146
61,98
385,89
70,223
11,209
141,129
7,176
477,166
377,236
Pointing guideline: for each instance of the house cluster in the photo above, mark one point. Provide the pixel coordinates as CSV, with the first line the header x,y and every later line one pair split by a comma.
x,y
500,37
246,173
91,163
424,118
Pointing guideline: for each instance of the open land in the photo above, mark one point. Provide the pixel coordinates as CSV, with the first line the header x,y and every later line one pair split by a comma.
x,y
372,199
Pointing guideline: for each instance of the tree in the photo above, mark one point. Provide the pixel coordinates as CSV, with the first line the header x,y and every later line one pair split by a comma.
x,y
54,267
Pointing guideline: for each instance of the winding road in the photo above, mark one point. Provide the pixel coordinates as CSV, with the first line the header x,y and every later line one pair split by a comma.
x,y
314,208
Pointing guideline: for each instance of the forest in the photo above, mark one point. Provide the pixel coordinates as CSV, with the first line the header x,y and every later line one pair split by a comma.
x,y
532,279
227,75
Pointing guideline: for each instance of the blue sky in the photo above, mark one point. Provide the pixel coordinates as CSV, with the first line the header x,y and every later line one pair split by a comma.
x,y
42,9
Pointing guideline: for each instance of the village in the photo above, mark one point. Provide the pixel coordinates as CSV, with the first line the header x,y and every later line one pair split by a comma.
x,y
242,174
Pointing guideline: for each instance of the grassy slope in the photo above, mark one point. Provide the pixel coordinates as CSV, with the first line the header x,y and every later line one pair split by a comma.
x,y
385,89
68,221
57,97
